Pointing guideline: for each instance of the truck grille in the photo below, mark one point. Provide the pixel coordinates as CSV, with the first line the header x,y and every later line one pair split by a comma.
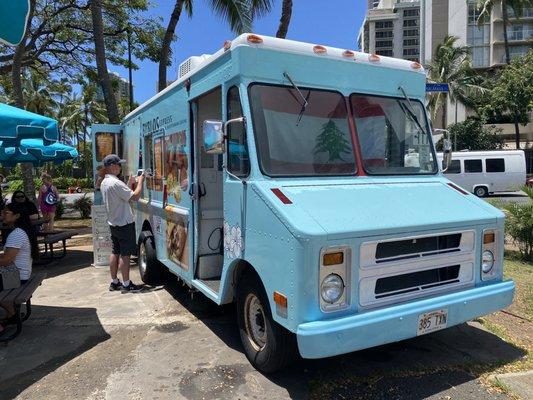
x,y
417,247
416,281
394,270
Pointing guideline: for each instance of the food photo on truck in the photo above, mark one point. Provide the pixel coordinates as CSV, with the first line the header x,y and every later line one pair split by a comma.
x,y
301,182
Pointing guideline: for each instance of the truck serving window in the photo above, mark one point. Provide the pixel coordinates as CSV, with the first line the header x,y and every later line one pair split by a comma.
x,y
297,140
391,140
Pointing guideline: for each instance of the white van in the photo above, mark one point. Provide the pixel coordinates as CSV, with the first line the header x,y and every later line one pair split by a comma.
x,y
487,172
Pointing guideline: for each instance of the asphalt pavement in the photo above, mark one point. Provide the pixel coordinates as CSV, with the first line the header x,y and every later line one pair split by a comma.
x,y
85,342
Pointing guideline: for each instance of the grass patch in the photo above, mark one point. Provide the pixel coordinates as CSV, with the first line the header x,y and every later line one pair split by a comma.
x,y
522,273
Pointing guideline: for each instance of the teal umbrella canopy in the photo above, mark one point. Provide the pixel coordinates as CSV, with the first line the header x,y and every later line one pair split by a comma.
x,y
35,151
17,124
13,20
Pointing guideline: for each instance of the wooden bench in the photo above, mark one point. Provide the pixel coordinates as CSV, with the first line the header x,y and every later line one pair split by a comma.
x,y
13,299
49,239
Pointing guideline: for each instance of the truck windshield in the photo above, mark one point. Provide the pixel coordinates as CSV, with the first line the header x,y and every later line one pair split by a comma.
x,y
391,141
292,141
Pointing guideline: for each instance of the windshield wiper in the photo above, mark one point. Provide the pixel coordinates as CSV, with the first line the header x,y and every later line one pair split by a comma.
x,y
409,110
304,102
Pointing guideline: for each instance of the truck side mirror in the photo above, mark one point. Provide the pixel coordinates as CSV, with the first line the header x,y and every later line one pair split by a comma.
x,y
213,134
446,154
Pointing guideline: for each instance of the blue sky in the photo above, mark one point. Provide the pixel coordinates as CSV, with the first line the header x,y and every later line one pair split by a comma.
x,y
329,22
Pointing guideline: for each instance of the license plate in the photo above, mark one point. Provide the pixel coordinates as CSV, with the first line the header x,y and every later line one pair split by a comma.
x,y
432,321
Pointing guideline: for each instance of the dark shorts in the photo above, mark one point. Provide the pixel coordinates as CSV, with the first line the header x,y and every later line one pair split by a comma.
x,y
123,238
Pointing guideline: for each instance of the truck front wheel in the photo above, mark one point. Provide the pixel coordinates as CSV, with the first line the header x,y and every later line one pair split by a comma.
x,y
151,270
267,345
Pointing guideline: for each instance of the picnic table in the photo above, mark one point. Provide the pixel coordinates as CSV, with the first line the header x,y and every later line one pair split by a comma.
x,y
50,238
11,300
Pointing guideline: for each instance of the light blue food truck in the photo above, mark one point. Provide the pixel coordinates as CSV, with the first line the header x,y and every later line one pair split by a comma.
x,y
301,182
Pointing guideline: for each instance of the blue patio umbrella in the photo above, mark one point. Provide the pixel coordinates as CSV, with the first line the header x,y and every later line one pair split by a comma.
x,y
36,151
17,124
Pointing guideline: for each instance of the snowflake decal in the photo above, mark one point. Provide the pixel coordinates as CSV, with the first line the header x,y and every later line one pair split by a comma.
x,y
233,243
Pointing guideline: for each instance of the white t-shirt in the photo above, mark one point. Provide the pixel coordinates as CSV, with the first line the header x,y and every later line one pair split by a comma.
x,y
18,239
116,195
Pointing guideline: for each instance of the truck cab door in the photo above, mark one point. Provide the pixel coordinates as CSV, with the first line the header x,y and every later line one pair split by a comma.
x,y
236,172
106,139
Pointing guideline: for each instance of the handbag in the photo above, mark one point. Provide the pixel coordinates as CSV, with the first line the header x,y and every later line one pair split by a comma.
x,y
50,197
9,277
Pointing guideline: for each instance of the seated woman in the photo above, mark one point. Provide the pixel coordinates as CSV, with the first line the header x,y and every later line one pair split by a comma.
x,y
21,245
28,206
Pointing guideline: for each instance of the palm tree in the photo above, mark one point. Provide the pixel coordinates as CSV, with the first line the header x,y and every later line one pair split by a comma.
x,y
285,20
452,65
79,112
40,94
485,7
238,13
104,79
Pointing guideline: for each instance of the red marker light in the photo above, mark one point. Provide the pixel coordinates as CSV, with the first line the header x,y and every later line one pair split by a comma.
x,y
280,195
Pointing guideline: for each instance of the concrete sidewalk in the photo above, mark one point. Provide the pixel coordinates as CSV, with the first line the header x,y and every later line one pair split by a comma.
x,y
85,342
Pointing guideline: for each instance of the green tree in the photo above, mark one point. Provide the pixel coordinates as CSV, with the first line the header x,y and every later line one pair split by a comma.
x,y
471,134
519,224
513,92
485,10
332,141
452,65
285,20
238,13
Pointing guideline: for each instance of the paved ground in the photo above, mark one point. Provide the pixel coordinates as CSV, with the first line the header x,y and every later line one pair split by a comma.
x,y
510,197
84,342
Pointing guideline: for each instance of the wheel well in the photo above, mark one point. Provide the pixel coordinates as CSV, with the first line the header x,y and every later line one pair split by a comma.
x,y
483,186
147,226
242,269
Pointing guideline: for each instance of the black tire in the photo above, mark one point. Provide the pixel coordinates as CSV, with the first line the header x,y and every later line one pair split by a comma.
x,y
279,347
481,191
79,190
151,270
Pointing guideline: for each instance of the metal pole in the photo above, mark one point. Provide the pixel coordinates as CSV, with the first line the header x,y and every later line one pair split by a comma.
x,y
130,72
422,31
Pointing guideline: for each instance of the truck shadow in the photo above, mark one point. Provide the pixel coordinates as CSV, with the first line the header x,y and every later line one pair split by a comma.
x,y
52,337
412,369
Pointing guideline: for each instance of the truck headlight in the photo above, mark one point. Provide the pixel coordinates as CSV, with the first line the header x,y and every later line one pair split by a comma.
x,y
491,259
332,288
487,261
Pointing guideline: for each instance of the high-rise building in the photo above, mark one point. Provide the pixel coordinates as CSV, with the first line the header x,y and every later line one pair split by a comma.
x,y
486,40
392,28
120,85
412,29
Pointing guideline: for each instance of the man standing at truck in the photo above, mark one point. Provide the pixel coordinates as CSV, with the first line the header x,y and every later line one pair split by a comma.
x,y
117,196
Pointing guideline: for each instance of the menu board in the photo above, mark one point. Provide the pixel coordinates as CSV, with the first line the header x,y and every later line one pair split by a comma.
x,y
101,236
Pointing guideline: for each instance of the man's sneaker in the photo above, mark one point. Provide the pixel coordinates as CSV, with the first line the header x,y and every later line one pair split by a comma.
x,y
131,288
115,286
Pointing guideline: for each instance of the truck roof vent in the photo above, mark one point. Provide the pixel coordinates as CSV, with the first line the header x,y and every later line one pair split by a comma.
x,y
191,64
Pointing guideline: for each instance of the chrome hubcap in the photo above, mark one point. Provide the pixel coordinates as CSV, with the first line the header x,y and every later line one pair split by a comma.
x,y
254,321
142,259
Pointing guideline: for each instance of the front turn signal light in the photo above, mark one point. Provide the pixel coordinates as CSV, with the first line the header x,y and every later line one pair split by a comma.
x,y
333,258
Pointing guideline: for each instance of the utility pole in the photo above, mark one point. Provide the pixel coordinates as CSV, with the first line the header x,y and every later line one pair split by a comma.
x,y
130,72
422,53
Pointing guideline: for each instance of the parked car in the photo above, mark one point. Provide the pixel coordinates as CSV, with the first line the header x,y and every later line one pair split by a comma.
x,y
529,182
487,172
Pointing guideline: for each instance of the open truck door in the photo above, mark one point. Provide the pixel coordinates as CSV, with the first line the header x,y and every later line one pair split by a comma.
x,y
106,139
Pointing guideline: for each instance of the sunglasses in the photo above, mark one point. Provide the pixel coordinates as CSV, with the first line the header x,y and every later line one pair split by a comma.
x,y
20,196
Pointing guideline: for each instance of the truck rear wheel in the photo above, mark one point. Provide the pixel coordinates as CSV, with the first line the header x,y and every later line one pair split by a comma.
x,y
151,270
267,345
